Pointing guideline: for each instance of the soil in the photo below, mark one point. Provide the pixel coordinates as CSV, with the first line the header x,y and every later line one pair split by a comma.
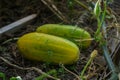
x,y
12,10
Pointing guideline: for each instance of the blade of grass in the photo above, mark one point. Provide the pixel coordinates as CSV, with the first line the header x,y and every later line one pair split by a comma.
x,y
92,56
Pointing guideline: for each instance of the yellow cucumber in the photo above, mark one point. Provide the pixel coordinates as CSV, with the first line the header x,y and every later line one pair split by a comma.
x,y
73,33
48,48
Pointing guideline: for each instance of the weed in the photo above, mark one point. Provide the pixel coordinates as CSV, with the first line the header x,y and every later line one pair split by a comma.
x,y
2,75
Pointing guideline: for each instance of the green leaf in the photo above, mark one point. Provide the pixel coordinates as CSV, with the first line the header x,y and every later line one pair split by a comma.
x,y
41,77
2,75
97,9
16,78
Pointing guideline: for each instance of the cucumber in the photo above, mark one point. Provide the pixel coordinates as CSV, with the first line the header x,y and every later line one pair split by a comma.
x,y
48,48
79,36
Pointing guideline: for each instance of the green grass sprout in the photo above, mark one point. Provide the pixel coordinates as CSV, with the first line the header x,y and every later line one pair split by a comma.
x,y
92,56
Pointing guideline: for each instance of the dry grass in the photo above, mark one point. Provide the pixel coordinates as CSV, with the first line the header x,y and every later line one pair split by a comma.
x,y
50,11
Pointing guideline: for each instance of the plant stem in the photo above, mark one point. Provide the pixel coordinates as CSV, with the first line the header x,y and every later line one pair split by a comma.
x,y
44,75
101,19
92,56
99,27
83,71
104,13
80,3
109,61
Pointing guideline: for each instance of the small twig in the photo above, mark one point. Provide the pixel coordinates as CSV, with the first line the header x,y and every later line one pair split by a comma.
x,y
40,71
29,68
54,9
103,76
80,40
9,63
119,76
70,72
10,40
108,74
81,4
91,75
